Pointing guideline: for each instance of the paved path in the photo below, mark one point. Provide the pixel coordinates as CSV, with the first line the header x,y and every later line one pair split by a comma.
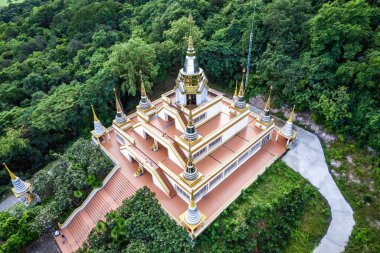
x,y
307,158
8,203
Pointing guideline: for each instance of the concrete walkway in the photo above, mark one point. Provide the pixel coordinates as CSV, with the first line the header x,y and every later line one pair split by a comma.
x,y
307,158
8,203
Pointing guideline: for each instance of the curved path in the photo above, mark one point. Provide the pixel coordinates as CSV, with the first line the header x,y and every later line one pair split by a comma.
x,y
307,158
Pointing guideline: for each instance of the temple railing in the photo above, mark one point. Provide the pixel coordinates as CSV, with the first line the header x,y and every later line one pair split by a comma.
x,y
146,165
157,134
234,197
90,196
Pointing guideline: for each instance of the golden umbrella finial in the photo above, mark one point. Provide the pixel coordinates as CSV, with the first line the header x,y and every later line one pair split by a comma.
x,y
93,112
236,88
143,92
190,119
13,176
192,201
190,159
191,43
118,105
291,115
267,105
241,91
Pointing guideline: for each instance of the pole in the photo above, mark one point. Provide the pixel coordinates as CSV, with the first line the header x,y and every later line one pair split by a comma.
x,y
250,47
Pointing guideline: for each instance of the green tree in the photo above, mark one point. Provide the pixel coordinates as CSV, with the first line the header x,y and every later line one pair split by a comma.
x,y
128,59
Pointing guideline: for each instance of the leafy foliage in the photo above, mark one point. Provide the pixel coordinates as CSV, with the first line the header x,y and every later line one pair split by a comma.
x,y
264,217
139,225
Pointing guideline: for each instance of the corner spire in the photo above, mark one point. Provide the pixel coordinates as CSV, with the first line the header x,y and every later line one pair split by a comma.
x,y
267,105
13,176
120,118
191,133
94,114
287,129
236,89
265,114
191,173
240,102
99,129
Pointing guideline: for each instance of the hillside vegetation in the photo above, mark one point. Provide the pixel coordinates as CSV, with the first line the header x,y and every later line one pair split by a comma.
x,y
57,57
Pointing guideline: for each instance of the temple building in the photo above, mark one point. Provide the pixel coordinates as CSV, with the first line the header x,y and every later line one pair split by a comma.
x,y
23,190
196,148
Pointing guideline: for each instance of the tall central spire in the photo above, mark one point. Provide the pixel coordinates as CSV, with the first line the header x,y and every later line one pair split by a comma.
x,y
191,65
191,84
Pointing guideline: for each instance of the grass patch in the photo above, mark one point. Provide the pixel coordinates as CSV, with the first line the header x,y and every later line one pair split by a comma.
x,y
5,3
358,178
281,211
314,225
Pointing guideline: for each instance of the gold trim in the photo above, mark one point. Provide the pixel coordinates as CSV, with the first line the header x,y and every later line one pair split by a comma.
x,y
206,106
192,228
217,170
191,183
235,120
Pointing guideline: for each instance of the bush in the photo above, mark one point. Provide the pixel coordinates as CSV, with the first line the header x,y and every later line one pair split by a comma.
x,y
139,225
263,217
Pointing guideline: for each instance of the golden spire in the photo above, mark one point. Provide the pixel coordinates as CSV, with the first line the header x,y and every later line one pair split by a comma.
x,y
267,105
190,123
118,105
93,112
143,92
192,201
236,85
13,176
190,44
241,91
190,159
291,115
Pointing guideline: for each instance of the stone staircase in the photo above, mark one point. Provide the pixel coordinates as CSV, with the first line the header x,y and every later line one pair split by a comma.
x,y
165,180
108,198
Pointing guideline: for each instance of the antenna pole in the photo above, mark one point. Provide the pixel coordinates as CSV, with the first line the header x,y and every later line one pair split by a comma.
x,y
250,47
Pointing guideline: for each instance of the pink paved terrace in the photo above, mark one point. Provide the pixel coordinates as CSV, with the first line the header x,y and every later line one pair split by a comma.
x,y
195,148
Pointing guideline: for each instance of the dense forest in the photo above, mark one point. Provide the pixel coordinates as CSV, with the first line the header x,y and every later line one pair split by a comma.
x,y
58,57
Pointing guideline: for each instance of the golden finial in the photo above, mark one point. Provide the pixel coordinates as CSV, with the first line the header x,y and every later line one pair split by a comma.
x,y
13,176
291,115
143,92
190,123
118,105
241,91
190,44
267,105
192,201
236,86
190,159
93,112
